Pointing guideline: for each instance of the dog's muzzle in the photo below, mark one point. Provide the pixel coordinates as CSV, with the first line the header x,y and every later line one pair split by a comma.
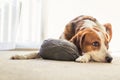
x,y
108,59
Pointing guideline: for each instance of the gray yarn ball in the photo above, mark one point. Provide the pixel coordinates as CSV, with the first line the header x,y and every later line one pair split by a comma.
x,y
55,49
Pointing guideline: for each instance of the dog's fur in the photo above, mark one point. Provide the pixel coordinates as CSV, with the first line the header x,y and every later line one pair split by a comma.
x,y
90,37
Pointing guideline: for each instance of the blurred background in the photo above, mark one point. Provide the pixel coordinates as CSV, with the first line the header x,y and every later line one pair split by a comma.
x,y
26,23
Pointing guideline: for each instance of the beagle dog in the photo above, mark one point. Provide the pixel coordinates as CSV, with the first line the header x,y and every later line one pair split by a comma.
x,y
90,37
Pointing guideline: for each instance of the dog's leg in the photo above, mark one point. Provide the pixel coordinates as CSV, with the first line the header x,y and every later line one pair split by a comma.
x,y
83,59
27,56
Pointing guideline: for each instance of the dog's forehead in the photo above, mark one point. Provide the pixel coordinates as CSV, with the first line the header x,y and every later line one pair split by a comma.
x,y
93,35
100,33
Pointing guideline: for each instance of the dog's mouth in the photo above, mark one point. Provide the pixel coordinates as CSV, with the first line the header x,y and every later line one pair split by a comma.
x,y
103,59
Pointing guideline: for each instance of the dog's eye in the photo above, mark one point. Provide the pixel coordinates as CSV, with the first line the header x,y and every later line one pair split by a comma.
x,y
96,44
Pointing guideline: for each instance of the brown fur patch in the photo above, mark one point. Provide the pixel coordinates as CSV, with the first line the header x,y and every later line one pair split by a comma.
x,y
85,39
90,39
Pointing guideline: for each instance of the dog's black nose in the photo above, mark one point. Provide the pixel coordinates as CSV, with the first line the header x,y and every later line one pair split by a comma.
x,y
109,59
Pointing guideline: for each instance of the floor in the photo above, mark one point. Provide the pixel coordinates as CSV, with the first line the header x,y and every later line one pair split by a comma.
x,y
39,69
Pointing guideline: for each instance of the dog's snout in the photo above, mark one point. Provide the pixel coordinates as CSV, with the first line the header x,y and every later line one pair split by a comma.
x,y
109,59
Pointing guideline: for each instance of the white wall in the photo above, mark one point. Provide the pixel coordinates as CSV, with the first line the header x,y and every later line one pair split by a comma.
x,y
60,12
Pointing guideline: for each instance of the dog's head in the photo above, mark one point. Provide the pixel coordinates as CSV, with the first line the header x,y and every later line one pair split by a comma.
x,y
94,41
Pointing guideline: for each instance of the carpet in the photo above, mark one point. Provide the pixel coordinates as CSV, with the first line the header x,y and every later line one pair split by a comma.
x,y
39,69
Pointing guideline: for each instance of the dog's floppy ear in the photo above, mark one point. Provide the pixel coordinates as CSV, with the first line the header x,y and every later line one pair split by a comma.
x,y
78,39
108,28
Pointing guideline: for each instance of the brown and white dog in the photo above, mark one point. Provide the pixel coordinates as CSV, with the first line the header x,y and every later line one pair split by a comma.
x,y
90,37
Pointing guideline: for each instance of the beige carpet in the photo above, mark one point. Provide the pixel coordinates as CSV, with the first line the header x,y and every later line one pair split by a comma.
x,y
40,69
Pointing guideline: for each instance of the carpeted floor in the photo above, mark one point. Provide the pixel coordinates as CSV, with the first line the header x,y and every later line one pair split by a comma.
x,y
39,69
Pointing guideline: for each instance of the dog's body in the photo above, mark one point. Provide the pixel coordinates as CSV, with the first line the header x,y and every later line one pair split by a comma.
x,y
90,37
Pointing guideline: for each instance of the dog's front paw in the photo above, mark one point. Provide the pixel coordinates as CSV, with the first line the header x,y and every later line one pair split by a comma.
x,y
83,59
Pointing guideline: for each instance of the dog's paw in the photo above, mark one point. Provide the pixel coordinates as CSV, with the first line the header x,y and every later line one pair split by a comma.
x,y
17,57
82,59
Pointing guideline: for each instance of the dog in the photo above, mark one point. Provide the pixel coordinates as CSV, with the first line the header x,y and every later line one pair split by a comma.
x,y
90,37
